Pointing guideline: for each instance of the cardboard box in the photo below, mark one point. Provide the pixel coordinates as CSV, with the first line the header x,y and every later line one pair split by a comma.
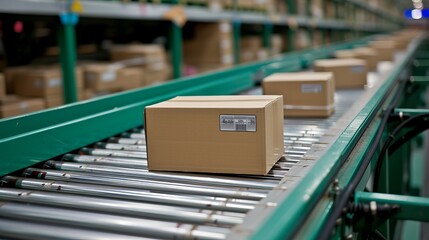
x,y
2,86
217,134
101,77
348,73
150,53
305,94
250,47
157,73
58,99
130,78
370,55
385,49
42,81
212,43
13,105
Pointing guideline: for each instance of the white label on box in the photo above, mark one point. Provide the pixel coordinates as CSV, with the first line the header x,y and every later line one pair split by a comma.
x,y
311,88
358,69
237,123
226,44
54,82
225,27
108,76
227,59
23,106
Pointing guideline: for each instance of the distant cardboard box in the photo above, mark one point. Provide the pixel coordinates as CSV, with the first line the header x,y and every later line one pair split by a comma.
x,y
217,134
348,73
305,94
13,105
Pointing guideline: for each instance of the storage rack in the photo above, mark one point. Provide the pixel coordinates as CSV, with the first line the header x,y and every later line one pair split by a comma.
x,y
343,24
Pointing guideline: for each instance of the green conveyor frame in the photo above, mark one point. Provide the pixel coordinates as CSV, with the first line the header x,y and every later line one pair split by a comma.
x,y
36,137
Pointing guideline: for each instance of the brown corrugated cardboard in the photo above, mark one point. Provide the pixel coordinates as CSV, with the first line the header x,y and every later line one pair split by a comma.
x,y
249,48
13,105
157,73
130,78
305,94
42,81
151,53
218,134
385,49
348,73
2,86
211,44
367,54
101,77
58,99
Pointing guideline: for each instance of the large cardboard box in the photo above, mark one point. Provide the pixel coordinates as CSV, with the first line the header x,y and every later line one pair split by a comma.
x,y
212,43
305,94
217,134
130,78
348,73
42,81
2,86
13,105
385,49
58,99
101,77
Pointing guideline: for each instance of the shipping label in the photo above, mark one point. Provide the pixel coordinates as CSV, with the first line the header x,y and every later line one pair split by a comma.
x,y
237,123
311,88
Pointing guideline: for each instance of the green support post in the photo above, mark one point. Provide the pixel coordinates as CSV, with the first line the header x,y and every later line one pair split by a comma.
x,y
236,29
290,31
68,55
176,49
267,34
411,208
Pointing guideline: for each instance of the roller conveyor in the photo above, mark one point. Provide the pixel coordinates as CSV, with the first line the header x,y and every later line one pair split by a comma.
x,y
106,186
104,191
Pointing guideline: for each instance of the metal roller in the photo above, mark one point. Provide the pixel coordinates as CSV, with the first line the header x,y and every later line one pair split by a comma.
x,y
110,161
109,223
142,184
24,230
126,194
175,177
125,208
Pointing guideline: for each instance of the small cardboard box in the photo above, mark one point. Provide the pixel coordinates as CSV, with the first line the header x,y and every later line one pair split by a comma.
x,y
151,53
101,77
157,73
130,78
42,81
369,55
13,105
385,49
2,86
217,134
305,94
58,99
348,73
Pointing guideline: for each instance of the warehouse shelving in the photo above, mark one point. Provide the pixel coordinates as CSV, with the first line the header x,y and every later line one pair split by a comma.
x,y
339,27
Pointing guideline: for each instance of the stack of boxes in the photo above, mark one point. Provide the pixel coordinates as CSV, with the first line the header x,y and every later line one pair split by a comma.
x,y
211,47
251,49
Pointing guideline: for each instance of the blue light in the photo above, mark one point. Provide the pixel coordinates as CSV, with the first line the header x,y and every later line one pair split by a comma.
x,y
416,13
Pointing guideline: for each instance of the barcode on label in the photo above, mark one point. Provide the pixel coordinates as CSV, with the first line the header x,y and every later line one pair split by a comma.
x,y
237,123
240,127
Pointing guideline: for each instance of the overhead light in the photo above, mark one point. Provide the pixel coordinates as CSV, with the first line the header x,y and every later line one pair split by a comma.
x,y
416,14
418,5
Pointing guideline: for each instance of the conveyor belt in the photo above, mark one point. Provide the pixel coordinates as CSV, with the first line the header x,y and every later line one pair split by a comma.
x,y
104,191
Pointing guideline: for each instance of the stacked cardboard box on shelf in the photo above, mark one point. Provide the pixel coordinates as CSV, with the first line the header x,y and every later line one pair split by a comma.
x,y
2,86
12,105
277,44
250,48
211,47
44,82
230,134
151,58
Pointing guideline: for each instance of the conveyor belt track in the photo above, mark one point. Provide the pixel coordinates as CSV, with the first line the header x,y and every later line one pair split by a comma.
x,y
106,190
